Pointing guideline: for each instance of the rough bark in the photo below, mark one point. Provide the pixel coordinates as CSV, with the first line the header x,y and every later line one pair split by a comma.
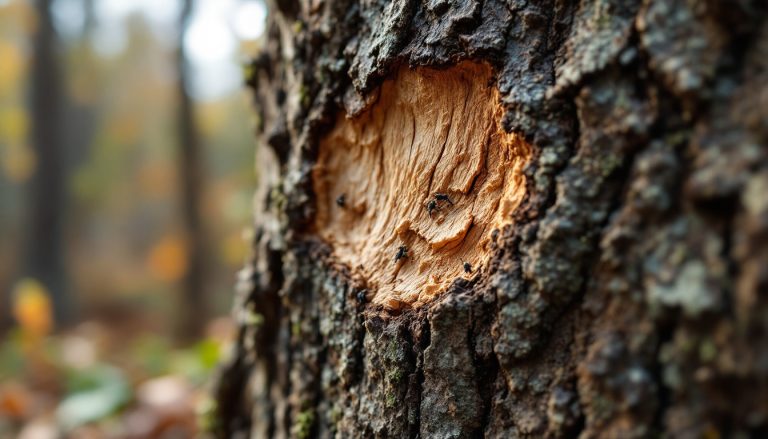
x,y
626,299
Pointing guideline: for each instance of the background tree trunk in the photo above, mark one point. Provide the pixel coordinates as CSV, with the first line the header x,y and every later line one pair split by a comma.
x,y
194,285
45,247
628,297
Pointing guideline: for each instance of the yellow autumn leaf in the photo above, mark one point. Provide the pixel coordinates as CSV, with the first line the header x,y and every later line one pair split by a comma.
x,y
14,124
13,66
32,307
168,258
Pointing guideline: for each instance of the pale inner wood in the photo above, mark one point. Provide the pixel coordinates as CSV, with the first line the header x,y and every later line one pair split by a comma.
x,y
429,131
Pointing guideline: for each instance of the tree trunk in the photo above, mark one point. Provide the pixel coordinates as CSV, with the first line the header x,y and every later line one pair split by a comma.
x,y
190,168
44,246
507,219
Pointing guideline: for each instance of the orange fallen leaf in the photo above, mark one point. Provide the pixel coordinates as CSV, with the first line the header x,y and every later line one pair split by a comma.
x,y
32,307
168,258
14,401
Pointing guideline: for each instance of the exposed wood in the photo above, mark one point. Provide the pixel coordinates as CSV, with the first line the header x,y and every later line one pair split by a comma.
x,y
430,132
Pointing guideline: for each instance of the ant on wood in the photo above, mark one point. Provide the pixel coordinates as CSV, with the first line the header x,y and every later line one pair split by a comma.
x,y
432,205
443,197
402,252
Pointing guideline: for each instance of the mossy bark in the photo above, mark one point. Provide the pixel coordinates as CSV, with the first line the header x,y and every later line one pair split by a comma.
x,y
629,298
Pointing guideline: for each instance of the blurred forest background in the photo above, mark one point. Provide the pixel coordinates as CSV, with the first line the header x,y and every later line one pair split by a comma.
x,y
126,174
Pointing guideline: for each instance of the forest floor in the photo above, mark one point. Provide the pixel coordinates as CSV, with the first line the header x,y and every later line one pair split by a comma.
x,y
96,381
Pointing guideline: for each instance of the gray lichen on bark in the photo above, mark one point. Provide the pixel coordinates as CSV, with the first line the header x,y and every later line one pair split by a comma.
x,y
629,297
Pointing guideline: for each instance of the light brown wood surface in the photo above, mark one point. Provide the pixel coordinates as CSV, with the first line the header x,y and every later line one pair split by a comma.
x,y
430,131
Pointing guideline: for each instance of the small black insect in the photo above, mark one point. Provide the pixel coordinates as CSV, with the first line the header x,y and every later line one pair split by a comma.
x,y
431,206
467,267
341,201
362,296
402,252
443,197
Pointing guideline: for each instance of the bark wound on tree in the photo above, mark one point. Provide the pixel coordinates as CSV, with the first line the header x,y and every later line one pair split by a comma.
x,y
429,132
